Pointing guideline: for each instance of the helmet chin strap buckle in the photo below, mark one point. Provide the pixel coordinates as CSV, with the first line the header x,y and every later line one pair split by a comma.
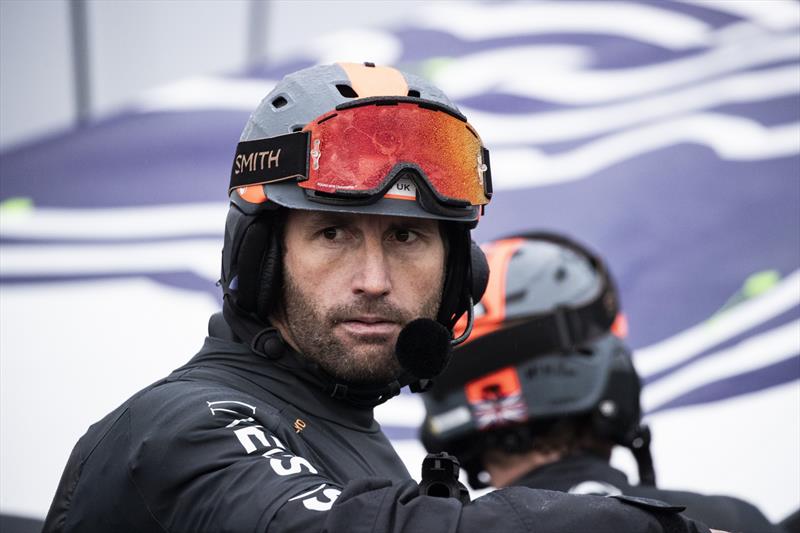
x,y
339,391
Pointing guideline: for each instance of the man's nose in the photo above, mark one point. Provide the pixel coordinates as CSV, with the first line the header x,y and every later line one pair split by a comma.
x,y
371,276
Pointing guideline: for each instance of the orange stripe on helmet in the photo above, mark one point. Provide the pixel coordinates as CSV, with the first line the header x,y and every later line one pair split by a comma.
x,y
498,255
253,194
495,386
375,81
620,326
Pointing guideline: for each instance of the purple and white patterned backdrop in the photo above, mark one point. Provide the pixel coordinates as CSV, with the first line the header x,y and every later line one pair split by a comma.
x,y
664,135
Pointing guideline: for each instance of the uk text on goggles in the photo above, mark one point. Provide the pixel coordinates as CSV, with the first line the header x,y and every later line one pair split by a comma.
x,y
357,151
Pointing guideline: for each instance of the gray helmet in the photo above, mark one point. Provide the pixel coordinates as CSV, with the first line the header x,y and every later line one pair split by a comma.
x,y
304,95
543,348
307,94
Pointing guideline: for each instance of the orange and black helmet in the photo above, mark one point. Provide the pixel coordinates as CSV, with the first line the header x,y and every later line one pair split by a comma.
x,y
546,344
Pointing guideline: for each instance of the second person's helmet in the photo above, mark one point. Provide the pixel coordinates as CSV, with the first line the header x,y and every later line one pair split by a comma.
x,y
546,346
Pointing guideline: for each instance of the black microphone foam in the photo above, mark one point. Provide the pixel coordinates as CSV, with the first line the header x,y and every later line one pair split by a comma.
x,y
423,348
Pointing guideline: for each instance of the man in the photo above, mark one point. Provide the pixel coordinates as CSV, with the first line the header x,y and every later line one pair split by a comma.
x,y
347,252
546,388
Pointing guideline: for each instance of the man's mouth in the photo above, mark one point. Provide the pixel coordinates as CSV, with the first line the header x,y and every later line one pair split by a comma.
x,y
369,325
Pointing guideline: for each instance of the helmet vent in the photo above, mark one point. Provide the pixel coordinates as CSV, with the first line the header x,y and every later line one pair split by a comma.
x,y
413,92
279,102
346,91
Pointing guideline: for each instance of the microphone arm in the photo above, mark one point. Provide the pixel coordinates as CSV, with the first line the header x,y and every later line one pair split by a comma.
x,y
470,321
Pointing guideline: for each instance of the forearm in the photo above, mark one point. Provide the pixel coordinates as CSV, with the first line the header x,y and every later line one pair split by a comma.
x,y
372,505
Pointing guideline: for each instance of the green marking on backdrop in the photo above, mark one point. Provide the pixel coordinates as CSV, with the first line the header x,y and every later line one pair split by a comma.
x,y
754,285
431,67
17,204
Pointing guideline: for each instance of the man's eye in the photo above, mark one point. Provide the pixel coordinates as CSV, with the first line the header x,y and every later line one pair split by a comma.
x,y
330,233
404,235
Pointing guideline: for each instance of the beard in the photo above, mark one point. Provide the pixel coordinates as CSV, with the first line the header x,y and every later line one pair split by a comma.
x,y
372,360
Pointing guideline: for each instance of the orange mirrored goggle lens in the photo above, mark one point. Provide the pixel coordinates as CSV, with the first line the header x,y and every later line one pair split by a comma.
x,y
357,151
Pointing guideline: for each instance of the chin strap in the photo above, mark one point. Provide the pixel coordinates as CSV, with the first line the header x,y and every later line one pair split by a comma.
x,y
640,447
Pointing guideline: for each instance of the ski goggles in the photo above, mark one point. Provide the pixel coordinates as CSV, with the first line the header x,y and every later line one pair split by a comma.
x,y
359,150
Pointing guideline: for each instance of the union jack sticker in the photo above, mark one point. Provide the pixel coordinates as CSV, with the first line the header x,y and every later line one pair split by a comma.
x,y
496,399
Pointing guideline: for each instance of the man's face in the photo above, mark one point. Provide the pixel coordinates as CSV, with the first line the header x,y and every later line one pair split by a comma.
x,y
351,282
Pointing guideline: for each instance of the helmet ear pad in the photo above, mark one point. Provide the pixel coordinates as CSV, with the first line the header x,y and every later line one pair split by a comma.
x,y
259,264
622,390
479,271
466,275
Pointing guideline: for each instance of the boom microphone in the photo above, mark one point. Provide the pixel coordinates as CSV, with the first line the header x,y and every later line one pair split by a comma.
x,y
423,348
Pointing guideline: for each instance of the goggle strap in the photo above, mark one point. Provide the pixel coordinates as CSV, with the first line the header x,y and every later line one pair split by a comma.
x,y
275,159
561,331
270,160
487,174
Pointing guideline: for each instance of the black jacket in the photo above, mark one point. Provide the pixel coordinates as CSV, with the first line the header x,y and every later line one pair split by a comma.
x,y
587,474
235,442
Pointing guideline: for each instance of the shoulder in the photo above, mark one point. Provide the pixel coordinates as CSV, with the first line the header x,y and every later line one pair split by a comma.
x,y
183,428
181,407
192,401
726,512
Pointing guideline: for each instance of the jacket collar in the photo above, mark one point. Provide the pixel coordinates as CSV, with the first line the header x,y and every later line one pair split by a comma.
x,y
283,378
573,470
